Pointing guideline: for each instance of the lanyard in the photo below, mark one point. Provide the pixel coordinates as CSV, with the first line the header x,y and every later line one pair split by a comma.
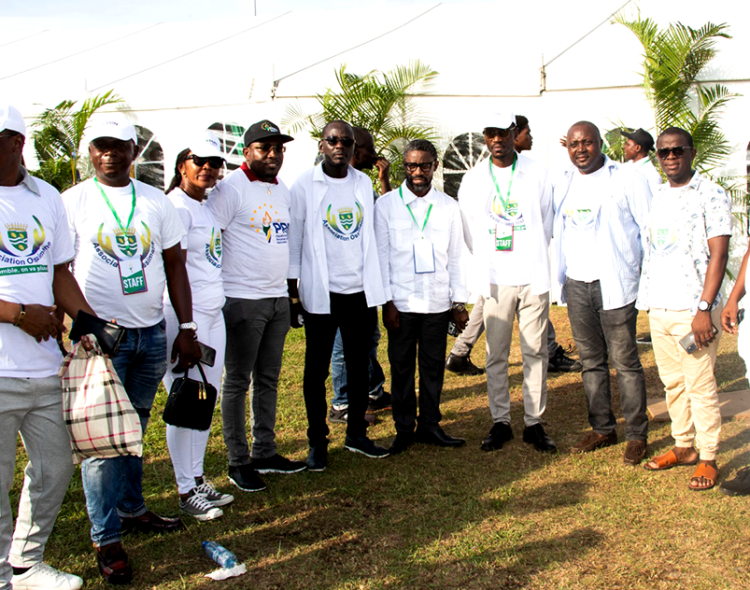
x,y
426,217
111,208
510,183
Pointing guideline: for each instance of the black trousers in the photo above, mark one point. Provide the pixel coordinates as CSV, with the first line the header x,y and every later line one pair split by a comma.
x,y
429,332
350,314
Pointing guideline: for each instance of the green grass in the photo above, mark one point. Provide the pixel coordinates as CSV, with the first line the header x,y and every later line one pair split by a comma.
x,y
449,519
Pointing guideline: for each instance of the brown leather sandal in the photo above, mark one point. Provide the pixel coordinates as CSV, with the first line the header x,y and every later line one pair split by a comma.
x,y
667,461
705,471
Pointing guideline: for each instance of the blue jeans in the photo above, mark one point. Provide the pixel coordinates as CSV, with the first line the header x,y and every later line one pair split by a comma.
x,y
113,486
338,371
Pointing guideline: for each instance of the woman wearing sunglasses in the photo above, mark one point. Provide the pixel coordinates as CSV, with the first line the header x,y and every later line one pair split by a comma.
x,y
196,171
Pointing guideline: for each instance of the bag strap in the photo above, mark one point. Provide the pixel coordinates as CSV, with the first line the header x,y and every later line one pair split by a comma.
x,y
203,385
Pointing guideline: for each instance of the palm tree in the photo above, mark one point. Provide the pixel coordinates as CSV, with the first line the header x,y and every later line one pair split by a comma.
x,y
58,136
381,102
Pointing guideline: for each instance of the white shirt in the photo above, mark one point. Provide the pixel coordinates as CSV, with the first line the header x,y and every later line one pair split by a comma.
x,y
103,251
396,234
255,218
342,218
528,212
649,172
33,238
203,245
307,251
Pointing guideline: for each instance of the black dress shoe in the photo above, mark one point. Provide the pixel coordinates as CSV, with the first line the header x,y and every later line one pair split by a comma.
x,y
535,435
462,365
436,436
401,443
499,434
150,522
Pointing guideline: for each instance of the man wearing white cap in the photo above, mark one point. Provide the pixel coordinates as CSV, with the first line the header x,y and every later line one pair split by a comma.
x,y
35,249
127,240
507,205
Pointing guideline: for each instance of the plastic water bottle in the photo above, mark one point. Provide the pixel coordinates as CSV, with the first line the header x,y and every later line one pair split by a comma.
x,y
221,555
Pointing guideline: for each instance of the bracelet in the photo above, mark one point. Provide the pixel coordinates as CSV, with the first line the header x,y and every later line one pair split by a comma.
x,y
21,315
294,300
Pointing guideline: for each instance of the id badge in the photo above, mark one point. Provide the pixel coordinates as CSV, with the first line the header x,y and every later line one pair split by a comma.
x,y
503,238
424,257
132,275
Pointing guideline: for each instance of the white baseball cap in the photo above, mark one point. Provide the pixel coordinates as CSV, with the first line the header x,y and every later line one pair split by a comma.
x,y
112,127
501,120
11,119
206,145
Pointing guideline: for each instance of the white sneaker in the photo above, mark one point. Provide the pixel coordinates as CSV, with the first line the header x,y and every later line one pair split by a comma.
x,y
44,577
198,507
210,493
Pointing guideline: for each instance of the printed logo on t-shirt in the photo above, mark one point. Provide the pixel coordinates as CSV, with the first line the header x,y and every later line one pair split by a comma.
x,y
508,215
663,240
128,243
344,223
582,218
213,248
273,231
18,256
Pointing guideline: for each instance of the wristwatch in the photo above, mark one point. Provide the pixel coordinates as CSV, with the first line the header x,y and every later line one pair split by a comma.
x,y
189,326
704,305
294,300
458,307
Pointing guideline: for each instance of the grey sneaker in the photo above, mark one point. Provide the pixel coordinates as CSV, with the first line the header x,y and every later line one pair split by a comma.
x,y
210,493
199,508
338,416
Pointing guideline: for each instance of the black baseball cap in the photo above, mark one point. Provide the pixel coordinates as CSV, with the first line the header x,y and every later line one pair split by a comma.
x,y
641,137
264,129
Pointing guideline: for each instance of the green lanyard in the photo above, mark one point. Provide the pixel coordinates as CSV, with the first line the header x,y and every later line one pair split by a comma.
x,y
510,184
111,208
426,217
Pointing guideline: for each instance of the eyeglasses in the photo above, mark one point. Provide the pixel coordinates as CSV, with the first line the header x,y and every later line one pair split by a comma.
x,y
265,148
345,141
424,166
495,132
214,161
663,153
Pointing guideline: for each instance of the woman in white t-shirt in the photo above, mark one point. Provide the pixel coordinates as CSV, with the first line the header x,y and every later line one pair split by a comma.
x,y
196,171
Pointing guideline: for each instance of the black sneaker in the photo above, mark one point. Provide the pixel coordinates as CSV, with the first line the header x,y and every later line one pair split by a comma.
x,y
338,416
246,478
646,340
739,486
317,458
382,402
462,365
562,363
365,446
278,464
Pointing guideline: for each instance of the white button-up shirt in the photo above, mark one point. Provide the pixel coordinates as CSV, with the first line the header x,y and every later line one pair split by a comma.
x,y
396,233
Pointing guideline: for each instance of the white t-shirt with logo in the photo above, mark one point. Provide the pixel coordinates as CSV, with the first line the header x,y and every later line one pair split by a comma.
x,y
33,238
581,211
203,245
121,269
342,220
254,217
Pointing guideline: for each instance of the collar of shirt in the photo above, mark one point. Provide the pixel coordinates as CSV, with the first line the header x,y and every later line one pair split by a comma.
x,y
251,177
410,197
28,181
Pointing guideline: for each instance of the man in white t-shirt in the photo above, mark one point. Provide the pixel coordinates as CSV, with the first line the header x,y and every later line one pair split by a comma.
x,y
686,256
601,211
639,143
35,249
507,204
334,257
251,205
421,243
127,237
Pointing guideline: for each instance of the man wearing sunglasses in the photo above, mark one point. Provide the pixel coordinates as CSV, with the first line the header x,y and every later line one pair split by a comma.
x,y
334,266
601,211
686,256
127,239
507,203
251,205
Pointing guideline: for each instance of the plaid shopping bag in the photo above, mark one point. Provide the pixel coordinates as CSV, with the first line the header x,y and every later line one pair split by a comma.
x,y
100,419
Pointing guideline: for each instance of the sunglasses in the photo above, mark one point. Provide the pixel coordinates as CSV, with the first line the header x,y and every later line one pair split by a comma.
x,y
424,166
663,153
345,141
214,161
265,148
495,132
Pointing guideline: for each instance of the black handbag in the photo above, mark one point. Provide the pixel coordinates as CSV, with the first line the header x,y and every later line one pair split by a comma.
x,y
108,334
190,403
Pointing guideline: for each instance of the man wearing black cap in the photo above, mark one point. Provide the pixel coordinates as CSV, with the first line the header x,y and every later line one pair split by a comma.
x,y
636,149
252,207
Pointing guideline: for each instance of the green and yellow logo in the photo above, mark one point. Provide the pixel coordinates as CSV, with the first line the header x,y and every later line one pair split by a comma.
x,y
127,242
18,236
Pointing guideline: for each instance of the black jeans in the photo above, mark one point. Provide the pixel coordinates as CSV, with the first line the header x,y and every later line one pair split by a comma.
x,y
429,331
601,334
350,314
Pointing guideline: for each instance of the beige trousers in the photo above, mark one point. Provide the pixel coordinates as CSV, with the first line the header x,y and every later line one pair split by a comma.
x,y
689,382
